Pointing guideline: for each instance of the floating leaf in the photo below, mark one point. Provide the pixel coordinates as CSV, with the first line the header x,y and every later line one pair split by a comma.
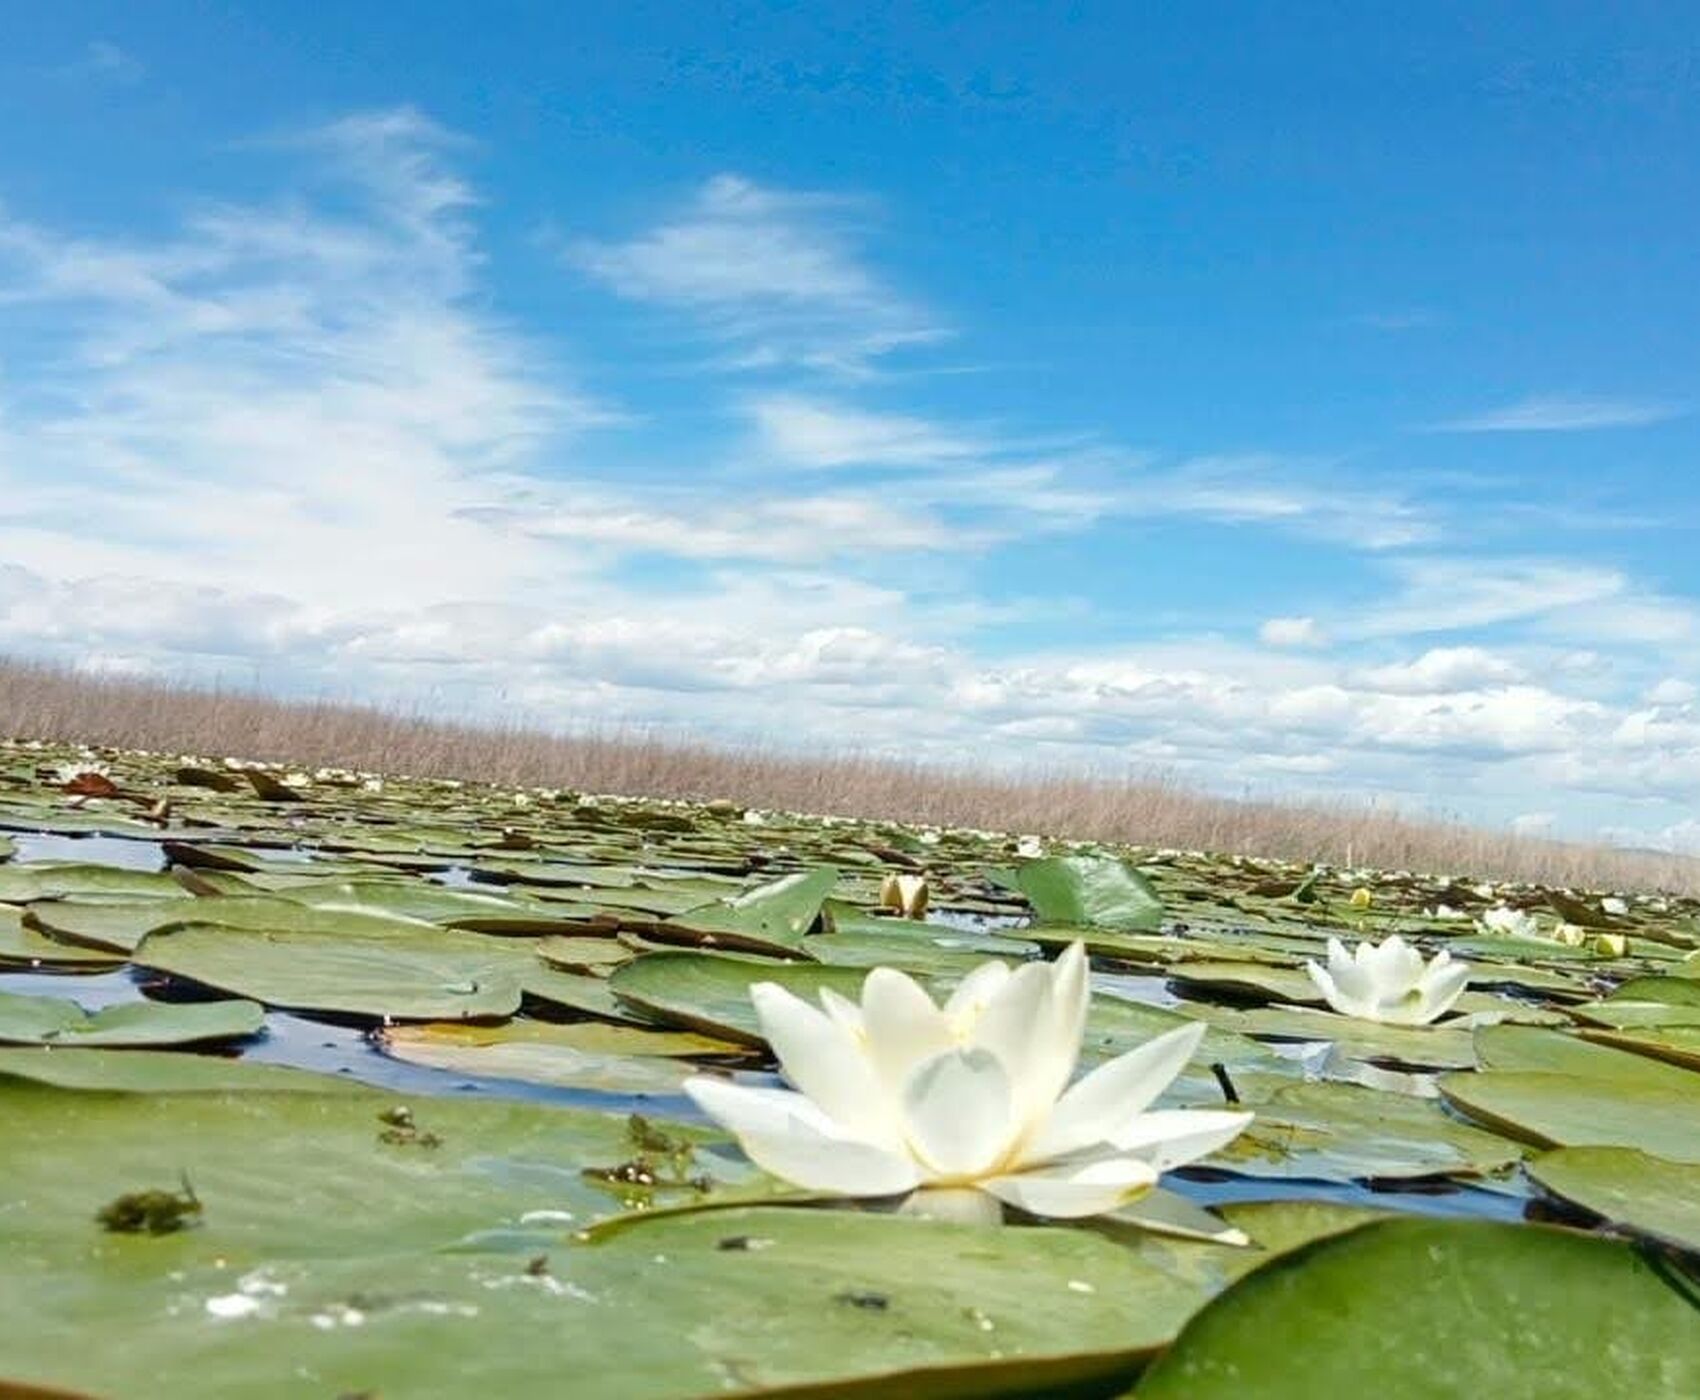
x,y
1097,891
772,916
429,974
1630,1190
584,1055
28,1020
1396,1309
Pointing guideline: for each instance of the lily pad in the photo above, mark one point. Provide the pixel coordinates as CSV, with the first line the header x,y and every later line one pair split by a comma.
x,y
1678,1044
27,1020
1097,891
435,974
1564,1110
710,992
161,1072
1296,1329
1630,1190
1330,1131
771,916
22,884
22,945
583,1055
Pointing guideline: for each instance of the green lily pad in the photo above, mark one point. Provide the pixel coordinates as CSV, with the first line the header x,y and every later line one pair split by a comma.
x,y
27,1020
23,945
23,884
1096,891
1396,1309
430,974
1630,1190
333,1240
771,916
583,1055
1627,1109
1673,989
1331,1131
710,992
161,1072
1678,1044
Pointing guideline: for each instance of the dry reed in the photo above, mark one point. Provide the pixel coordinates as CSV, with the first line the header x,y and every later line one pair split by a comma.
x,y
49,703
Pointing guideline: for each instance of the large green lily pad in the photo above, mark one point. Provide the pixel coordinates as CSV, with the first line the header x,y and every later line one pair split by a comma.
x,y
1630,1190
1097,891
1564,1110
710,992
28,1020
429,975
321,1245
1422,1309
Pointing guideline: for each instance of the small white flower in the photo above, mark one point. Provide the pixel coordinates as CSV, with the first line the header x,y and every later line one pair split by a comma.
x,y
67,773
1611,904
1030,847
966,1104
1511,923
1389,982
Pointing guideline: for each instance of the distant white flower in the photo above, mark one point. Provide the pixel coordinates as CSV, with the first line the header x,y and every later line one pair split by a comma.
x,y
1511,923
1443,911
1030,847
1570,935
1611,904
1389,982
67,773
966,1104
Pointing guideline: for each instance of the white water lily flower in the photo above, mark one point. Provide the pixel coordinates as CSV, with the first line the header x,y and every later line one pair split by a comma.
x,y
1389,982
1612,904
968,1104
1511,923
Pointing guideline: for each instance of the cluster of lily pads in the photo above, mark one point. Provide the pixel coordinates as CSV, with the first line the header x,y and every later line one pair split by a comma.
x,y
1431,1133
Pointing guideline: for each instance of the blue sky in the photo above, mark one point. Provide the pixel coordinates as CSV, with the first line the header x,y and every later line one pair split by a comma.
x,y
1289,398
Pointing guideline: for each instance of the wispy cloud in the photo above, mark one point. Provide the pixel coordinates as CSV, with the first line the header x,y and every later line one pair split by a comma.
x,y
104,61
1564,415
776,275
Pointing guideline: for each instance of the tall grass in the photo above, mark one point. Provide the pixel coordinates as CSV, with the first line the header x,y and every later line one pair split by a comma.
x,y
44,702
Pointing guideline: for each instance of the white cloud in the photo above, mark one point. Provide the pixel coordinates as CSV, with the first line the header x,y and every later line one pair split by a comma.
x,y
1672,691
774,273
291,440
812,433
1442,670
1292,632
1564,415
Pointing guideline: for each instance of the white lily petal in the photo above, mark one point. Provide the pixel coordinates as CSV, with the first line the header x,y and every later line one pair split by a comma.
x,y
1081,1189
975,991
1017,1030
903,1027
1331,993
844,1011
1071,997
783,1133
959,1113
1442,989
1172,1137
824,1061
1105,1100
